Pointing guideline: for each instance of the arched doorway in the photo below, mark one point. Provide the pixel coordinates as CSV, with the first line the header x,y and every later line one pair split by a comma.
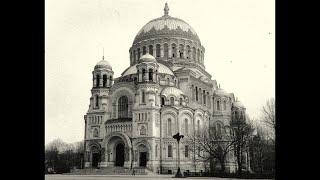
x,y
95,156
119,155
143,155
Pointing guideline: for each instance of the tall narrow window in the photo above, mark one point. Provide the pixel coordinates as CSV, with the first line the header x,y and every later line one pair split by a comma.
x,y
162,101
204,97
181,49
196,93
156,150
97,101
218,105
180,101
139,52
143,97
150,74
169,150
144,50
198,55
151,50
97,80
224,105
186,128
174,51
158,50
194,52
218,130
166,50
123,107
104,80
188,52
134,56
172,101
143,74
186,151
169,127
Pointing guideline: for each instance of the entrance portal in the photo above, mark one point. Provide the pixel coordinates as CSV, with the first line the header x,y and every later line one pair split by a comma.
x,y
95,159
120,155
143,159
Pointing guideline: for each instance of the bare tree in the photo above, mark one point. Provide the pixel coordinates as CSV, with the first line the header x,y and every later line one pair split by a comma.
x,y
268,113
211,147
242,133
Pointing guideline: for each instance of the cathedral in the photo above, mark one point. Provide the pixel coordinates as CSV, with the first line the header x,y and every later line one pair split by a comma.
x,y
131,119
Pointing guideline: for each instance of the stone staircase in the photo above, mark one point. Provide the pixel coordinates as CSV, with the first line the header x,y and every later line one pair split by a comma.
x,y
110,171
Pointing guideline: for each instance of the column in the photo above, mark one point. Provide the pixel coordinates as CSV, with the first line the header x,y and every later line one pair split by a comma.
x,y
154,50
146,75
185,51
162,50
108,81
169,51
94,81
140,76
101,81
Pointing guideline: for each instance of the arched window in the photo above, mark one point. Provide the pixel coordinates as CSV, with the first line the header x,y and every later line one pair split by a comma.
x,y
166,50
198,55
97,80
218,105
171,101
143,74
151,50
174,50
95,132
180,101
104,80
143,96
194,52
134,56
196,93
139,53
224,105
162,101
204,97
186,151
158,50
143,130
150,74
218,129
181,49
169,150
123,107
144,50
97,101
188,52
186,128
169,127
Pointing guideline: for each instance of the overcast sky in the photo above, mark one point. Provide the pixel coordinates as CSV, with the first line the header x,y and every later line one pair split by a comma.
x,y
238,35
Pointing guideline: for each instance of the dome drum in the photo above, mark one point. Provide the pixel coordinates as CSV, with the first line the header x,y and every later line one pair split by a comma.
x,y
168,50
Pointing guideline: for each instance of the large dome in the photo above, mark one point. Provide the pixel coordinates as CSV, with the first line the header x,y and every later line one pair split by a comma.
x,y
166,26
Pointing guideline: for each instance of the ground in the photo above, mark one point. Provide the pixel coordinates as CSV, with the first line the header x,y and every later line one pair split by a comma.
x,y
124,177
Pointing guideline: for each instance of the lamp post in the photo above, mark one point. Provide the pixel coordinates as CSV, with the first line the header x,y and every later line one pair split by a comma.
x,y
178,137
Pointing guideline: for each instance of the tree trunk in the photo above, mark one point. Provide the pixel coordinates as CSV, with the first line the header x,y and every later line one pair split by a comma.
x,y
211,166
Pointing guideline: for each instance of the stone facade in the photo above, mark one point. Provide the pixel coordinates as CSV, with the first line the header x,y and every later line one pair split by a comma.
x,y
132,118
